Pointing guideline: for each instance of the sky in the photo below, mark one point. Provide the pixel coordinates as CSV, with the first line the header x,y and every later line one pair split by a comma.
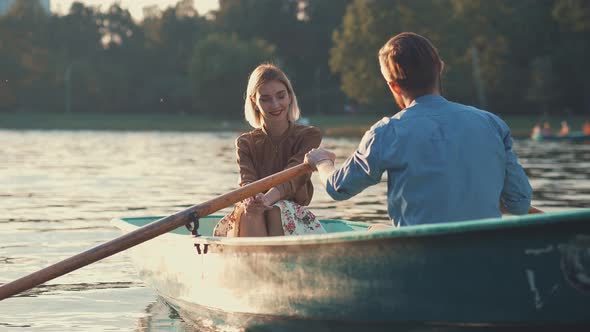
x,y
134,6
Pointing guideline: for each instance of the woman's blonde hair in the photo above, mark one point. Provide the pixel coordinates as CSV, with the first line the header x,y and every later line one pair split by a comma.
x,y
265,73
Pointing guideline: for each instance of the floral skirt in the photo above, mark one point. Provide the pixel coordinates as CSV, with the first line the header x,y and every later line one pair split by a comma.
x,y
296,220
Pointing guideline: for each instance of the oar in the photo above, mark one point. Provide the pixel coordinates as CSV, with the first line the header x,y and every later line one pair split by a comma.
x,y
149,231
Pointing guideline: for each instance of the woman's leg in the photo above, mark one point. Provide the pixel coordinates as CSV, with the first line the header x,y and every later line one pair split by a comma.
x,y
252,224
274,224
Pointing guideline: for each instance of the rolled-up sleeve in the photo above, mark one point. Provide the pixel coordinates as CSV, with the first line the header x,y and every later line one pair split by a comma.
x,y
517,192
358,172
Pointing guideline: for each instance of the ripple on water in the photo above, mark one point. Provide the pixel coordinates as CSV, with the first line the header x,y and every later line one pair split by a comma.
x,y
60,189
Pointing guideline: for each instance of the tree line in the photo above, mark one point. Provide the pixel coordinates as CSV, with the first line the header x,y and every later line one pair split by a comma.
x,y
526,56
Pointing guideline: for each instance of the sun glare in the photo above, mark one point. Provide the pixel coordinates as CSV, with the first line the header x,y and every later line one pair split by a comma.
x,y
135,7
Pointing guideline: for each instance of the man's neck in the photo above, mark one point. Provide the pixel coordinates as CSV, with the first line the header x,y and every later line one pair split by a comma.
x,y
409,99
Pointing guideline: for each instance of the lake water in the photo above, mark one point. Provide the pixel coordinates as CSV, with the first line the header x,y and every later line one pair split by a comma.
x,y
60,189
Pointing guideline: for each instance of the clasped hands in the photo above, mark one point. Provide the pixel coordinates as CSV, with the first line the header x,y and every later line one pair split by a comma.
x,y
256,205
260,203
318,156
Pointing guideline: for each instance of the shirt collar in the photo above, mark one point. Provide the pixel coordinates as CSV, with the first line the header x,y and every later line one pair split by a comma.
x,y
427,99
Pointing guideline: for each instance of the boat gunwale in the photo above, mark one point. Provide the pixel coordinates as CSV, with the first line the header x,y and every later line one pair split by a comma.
x,y
427,230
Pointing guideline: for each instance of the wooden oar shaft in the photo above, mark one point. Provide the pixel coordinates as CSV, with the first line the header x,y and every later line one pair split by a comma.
x,y
148,232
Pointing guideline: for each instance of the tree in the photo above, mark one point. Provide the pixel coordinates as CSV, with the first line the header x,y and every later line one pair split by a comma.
x,y
272,20
318,89
118,29
121,67
170,38
543,91
77,47
219,72
574,14
25,32
573,17
366,26
78,32
511,50
517,42
173,33
301,31
11,70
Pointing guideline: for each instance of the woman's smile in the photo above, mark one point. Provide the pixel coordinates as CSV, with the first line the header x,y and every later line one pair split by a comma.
x,y
276,113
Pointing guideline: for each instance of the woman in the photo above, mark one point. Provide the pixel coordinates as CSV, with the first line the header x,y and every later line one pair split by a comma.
x,y
276,143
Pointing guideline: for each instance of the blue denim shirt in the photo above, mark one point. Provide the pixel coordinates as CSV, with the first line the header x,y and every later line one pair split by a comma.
x,y
444,161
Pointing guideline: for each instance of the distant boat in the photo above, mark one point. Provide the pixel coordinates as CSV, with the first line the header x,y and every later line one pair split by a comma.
x,y
574,136
530,270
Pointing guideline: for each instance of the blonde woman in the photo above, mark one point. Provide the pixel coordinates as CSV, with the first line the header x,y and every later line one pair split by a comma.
x,y
276,143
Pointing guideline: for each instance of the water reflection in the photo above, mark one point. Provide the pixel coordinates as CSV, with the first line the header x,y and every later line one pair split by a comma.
x,y
162,317
59,189
52,289
559,173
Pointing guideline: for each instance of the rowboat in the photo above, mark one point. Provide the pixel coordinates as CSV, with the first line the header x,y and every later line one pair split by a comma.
x,y
574,137
529,270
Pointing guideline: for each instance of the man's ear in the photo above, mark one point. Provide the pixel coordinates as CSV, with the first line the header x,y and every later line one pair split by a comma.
x,y
442,66
394,88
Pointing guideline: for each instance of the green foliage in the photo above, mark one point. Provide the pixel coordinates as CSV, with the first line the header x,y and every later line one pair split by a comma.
x,y
219,72
11,69
272,20
574,14
509,55
366,26
544,88
525,56
79,32
317,87
25,55
301,30
571,56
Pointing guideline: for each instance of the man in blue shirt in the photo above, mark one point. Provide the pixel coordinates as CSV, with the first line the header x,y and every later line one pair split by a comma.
x,y
444,161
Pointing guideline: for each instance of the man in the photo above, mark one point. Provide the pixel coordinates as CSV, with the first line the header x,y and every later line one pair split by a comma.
x,y
444,161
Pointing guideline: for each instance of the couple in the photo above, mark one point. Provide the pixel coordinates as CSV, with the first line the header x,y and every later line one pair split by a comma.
x,y
444,161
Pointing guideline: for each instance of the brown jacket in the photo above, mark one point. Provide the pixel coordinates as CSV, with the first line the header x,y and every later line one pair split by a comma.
x,y
259,156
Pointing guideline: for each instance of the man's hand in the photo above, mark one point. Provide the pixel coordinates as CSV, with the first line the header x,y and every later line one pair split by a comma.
x,y
321,160
319,156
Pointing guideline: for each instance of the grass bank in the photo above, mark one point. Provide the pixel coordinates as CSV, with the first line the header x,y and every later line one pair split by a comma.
x,y
353,125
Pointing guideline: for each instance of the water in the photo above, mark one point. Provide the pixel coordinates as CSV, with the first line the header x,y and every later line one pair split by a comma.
x,y
60,189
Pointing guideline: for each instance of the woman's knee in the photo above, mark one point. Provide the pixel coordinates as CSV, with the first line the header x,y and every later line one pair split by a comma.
x,y
274,222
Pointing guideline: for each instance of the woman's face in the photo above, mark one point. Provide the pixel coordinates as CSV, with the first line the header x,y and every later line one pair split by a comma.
x,y
273,100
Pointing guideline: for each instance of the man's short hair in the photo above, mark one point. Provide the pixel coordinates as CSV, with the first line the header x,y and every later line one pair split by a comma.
x,y
410,61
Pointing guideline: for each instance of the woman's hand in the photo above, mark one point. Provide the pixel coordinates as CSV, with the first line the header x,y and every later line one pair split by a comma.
x,y
256,205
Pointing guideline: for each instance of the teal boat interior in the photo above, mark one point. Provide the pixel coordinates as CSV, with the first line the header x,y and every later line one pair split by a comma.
x,y
332,226
206,224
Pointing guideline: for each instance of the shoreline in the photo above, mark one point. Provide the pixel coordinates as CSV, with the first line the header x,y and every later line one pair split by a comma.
x,y
333,125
